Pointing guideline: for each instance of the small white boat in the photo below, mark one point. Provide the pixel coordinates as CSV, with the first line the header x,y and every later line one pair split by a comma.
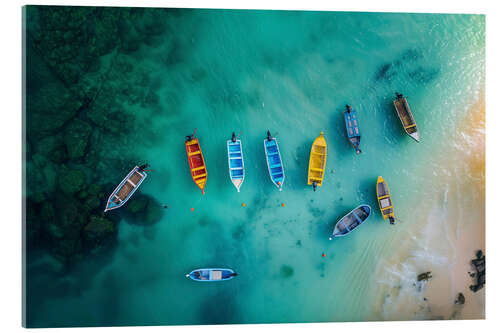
x,y
235,161
127,187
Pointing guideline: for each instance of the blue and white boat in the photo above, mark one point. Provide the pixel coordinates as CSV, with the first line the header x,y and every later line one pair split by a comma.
x,y
212,274
352,128
351,221
126,188
235,161
274,163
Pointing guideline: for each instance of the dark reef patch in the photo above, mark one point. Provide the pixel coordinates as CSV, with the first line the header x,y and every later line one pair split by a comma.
x,y
143,209
239,232
385,72
424,75
226,311
286,271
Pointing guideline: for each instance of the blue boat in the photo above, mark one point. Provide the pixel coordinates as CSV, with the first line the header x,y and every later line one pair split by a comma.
x,y
352,128
235,161
126,188
274,163
212,274
351,221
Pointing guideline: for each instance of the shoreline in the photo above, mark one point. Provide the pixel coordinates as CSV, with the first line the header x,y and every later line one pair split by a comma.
x,y
445,239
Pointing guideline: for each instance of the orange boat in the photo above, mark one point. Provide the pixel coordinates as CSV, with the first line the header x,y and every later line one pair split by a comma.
x,y
196,162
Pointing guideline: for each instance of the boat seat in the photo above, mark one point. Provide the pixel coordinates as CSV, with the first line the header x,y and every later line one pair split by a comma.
x,y
198,168
317,169
410,126
131,182
216,275
195,153
200,176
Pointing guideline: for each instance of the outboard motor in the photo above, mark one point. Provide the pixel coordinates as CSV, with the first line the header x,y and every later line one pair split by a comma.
x,y
391,220
189,138
144,166
233,138
315,184
269,137
348,108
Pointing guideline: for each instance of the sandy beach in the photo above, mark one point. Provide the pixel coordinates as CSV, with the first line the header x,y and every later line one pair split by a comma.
x,y
444,238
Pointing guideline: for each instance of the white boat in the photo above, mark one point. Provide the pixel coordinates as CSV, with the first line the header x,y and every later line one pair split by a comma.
x,y
127,187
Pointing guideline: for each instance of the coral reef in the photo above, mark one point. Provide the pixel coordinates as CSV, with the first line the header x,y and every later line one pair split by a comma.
x,y
80,73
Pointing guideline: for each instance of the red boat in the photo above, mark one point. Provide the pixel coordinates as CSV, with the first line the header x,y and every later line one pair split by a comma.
x,y
196,162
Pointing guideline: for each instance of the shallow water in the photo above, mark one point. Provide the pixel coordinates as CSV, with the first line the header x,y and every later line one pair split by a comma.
x,y
291,73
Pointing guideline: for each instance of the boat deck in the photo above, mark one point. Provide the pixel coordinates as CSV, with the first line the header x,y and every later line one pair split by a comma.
x,y
405,115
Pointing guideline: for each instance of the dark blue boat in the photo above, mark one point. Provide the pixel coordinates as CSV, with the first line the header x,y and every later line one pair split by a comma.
x,y
212,274
352,128
351,221
274,163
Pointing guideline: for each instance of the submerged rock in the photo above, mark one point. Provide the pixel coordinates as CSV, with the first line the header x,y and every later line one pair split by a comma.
x,y
71,181
286,271
143,209
424,276
460,299
76,135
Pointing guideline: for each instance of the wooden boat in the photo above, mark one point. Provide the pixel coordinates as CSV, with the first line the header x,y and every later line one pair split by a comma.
x,y
351,221
235,161
196,162
127,187
404,114
274,163
212,274
352,128
317,162
384,200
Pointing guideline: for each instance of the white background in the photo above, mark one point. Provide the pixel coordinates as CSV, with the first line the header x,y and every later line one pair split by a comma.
x,y
10,157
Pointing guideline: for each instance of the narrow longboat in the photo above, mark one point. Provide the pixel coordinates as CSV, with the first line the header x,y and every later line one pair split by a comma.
x,y
126,188
212,274
384,200
406,117
351,221
196,162
235,161
352,128
274,162
317,162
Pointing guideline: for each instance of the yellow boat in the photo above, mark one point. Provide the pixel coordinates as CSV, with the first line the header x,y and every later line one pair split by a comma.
x,y
317,162
384,200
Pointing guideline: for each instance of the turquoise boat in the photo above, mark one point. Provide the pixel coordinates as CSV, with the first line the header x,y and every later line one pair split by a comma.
x,y
126,188
235,161
273,159
352,128
211,274
351,221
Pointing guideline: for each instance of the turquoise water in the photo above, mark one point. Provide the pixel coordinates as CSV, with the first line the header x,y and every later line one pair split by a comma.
x,y
291,73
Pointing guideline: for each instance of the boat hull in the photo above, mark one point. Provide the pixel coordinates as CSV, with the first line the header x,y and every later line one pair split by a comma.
x,y
352,129
211,274
274,162
236,163
317,161
125,189
196,163
384,199
406,118
351,221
